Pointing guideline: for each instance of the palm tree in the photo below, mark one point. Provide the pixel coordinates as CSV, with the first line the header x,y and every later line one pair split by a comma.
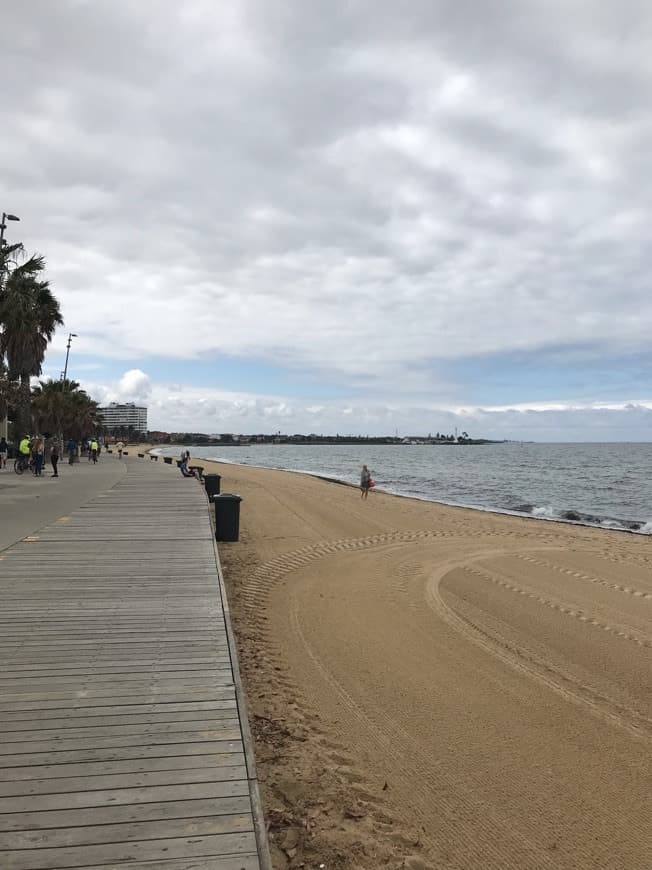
x,y
6,257
29,314
85,417
7,391
50,405
62,407
7,386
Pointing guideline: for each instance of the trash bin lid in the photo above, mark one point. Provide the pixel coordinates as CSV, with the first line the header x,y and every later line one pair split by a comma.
x,y
227,495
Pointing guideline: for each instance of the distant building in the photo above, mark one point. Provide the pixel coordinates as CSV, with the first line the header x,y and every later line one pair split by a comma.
x,y
117,416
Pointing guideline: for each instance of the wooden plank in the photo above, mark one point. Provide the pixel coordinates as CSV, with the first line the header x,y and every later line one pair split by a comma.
x,y
26,677
42,723
151,701
101,699
29,654
118,710
149,731
116,853
206,862
97,768
220,677
76,792
118,753
228,731
51,822
126,830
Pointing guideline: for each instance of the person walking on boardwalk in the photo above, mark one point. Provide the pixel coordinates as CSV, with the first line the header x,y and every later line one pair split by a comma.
x,y
93,450
119,447
365,482
4,450
54,458
38,454
71,449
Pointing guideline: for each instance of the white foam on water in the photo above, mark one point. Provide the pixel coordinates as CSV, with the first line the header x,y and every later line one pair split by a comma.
x,y
546,512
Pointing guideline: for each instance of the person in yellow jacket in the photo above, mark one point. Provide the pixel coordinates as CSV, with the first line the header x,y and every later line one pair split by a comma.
x,y
94,449
25,446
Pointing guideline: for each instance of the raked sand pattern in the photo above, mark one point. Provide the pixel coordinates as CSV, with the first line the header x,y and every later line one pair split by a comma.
x,y
436,687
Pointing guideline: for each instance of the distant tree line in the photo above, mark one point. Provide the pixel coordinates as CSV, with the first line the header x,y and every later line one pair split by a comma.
x,y
126,433
229,439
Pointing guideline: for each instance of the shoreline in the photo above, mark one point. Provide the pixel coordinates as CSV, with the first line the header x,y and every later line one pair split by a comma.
x,y
644,530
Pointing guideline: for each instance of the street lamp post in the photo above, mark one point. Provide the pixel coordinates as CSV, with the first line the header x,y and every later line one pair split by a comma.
x,y
71,335
3,226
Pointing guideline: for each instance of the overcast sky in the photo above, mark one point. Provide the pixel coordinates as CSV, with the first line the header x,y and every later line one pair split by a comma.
x,y
350,217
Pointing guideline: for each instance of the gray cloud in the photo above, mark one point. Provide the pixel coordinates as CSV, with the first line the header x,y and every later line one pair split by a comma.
x,y
452,179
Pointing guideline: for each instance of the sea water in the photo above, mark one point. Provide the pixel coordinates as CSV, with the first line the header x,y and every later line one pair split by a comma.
x,y
605,485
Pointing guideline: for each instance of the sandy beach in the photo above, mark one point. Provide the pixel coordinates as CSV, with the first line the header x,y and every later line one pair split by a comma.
x,y
439,687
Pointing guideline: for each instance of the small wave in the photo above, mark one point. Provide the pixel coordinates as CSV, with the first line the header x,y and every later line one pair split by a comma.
x,y
548,512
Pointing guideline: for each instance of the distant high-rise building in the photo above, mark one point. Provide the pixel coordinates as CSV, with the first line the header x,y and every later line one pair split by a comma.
x,y
116,416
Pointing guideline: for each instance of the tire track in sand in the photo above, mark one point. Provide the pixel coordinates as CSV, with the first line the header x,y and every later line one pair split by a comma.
x,y
563,684
555,604
488,843
267,576
590,578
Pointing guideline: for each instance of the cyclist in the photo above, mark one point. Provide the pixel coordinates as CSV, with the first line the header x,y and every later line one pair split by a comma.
x,y
24,451
25,448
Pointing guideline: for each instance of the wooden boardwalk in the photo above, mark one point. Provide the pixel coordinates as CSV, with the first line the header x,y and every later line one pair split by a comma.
x,y
121,743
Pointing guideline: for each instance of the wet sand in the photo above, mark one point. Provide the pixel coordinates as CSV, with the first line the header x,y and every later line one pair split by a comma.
x,y
440,687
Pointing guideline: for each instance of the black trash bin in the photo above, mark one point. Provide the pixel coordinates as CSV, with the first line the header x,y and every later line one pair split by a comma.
x,y
179,463
227,516
212,484
167,460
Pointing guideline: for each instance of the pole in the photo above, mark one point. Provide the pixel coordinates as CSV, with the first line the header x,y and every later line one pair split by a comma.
x,y
65,368
4,422
2,245
3,226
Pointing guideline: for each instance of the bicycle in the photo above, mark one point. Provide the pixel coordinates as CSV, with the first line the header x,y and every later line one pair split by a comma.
x,y
23,463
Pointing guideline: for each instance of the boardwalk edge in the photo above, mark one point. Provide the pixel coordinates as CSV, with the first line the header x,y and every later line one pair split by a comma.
x,y
250,760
